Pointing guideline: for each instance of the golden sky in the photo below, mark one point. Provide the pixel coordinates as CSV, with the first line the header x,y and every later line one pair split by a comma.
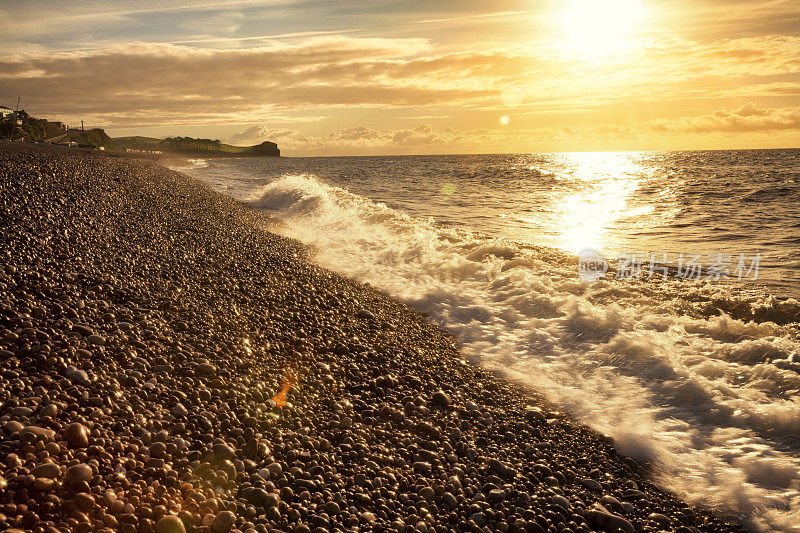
x,y
365,77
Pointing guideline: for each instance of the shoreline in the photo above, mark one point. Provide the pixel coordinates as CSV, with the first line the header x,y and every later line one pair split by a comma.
x,y
150,330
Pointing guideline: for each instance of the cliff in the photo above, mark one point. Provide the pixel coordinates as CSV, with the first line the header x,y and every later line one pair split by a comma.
x,y
265,149
195,146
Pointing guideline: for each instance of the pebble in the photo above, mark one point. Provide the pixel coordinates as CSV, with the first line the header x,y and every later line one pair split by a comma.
x,y
450,500
13,426
440,399
43,484
46,470
170,524
78,473
479,519
78,376
608,522
222,451
535,417
206,369
421,467
592,484
611,502
223,522
502,470
82,330
96,340
661,519
179,411
76,435
427,493
50,410
496,495
36,434
275,469
561,501
21,412
84,501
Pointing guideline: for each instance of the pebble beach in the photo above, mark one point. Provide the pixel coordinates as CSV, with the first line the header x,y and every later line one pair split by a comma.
x,y
170,365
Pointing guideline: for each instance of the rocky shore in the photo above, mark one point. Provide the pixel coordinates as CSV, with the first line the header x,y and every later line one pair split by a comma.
x,y
169,365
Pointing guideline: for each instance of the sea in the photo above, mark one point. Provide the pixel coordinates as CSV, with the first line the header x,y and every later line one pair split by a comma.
x,y
650,295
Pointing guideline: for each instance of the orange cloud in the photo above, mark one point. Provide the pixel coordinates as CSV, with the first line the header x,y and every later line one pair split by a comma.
x,y
156,84
364,139
151,85
747,118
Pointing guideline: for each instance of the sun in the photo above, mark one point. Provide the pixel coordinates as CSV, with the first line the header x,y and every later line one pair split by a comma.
x,y
593,28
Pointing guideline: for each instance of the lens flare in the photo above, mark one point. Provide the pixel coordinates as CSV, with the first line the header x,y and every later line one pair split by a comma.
x,y
289,382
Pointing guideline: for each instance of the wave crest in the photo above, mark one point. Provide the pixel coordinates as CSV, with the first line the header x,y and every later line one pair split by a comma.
x,y
664,368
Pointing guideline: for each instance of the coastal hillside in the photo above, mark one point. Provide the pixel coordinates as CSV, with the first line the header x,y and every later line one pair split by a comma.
x,y
170,366
21,126
196,146
95,137
32,129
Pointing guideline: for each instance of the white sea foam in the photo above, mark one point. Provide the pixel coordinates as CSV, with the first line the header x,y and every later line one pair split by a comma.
x,y
700,396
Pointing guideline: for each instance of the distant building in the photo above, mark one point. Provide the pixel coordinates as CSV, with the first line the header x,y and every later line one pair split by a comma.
x,y
5,112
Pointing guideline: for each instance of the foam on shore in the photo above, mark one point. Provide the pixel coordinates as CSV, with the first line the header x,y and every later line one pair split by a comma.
x,y
710,400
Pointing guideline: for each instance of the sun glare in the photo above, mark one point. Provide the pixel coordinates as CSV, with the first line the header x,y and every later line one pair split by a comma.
x,y
592,29
608,179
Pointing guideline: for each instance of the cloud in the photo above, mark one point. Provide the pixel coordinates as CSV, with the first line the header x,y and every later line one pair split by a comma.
x,y
749,56
257,134
150,84
144,83
30,20
367,140
745,119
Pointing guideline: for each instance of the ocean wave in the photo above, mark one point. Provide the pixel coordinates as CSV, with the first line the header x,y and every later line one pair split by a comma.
x,y
696,378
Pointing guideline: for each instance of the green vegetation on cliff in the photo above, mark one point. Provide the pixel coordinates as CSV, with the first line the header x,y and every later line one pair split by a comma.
x,y
94,137
192,145
31,129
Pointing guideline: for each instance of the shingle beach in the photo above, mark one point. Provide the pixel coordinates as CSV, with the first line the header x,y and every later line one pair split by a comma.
x,y
170,365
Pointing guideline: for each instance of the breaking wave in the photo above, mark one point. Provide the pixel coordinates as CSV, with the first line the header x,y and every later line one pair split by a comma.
x,y
668,369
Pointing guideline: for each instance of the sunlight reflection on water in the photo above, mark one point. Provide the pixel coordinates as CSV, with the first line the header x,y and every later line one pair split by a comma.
x,y
600,201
